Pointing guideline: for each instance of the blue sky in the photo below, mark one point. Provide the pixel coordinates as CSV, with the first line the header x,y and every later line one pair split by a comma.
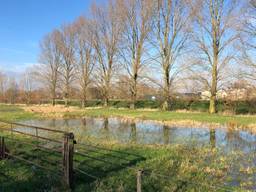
x,y
23,23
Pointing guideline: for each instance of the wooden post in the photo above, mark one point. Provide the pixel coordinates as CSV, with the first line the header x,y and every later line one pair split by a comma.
x,y
68,151
2,148
139,174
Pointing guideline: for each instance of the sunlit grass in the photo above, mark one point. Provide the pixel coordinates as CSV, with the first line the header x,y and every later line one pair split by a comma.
x,y
167,168
166,116
14,113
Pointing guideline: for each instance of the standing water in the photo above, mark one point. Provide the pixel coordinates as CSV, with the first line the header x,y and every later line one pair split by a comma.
x,y
146,132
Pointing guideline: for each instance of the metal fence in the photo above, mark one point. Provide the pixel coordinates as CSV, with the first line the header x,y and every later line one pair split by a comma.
x,y
74,161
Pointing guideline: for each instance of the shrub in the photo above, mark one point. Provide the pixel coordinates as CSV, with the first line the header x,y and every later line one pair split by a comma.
x,y
148,104
202,106
237,107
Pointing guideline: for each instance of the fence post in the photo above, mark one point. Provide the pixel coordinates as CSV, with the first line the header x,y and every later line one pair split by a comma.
x,y
139,175
68,150
2,148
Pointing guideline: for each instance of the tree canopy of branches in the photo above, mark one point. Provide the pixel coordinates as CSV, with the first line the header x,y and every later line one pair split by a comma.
x,y
248,39
138,16
214,35
48,70
67,67
135,45
171,33
107,31
85,55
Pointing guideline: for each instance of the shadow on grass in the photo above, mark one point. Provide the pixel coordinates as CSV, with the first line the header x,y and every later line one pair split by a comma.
x,y
90,164
93,164
18,176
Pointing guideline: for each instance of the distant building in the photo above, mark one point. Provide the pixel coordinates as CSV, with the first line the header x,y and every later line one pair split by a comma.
x,y
221,94
150,97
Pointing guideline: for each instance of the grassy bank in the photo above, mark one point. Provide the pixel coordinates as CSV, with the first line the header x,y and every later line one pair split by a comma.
x,y
14,113
166,116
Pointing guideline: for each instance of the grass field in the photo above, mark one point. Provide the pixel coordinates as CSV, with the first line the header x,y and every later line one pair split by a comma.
x,y
169,168
14,113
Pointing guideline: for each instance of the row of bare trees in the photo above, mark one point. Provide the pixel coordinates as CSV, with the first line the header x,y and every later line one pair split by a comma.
x,y
165,42
12,92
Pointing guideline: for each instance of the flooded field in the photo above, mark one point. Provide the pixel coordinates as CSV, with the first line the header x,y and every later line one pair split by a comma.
x,y
145,132
239,144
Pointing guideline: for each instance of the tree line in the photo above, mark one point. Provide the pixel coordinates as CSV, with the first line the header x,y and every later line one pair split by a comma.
x,y
203,44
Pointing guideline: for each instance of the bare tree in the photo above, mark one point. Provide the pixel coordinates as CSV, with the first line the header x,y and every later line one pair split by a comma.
x,y
67,47
47,71
3,81
85,58
214,34
12,90
138,16
171,33
248,39
107,32
27,85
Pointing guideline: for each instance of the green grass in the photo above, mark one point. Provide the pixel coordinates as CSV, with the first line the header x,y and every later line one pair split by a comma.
x,y
167,168
17,175
166,116
185,168
14,113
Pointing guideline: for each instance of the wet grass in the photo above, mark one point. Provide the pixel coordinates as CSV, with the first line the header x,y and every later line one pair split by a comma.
x,y
166,116
114,166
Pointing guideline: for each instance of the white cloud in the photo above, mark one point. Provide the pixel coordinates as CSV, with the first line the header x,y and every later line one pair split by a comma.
x,y
16,67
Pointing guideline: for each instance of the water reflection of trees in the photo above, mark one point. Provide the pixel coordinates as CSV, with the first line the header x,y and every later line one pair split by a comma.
x,y
53,123
166,134
83,122
213,137
235,141
105,128
66,124
133,134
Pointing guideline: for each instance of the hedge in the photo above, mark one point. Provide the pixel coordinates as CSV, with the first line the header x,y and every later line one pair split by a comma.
x,y
236,107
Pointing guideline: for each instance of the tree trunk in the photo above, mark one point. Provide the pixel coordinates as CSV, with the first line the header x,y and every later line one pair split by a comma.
x,y
134,92
166,103
105,102
66,101
212,107
105,97
83,103
66,94
84,99
213,137
53,101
